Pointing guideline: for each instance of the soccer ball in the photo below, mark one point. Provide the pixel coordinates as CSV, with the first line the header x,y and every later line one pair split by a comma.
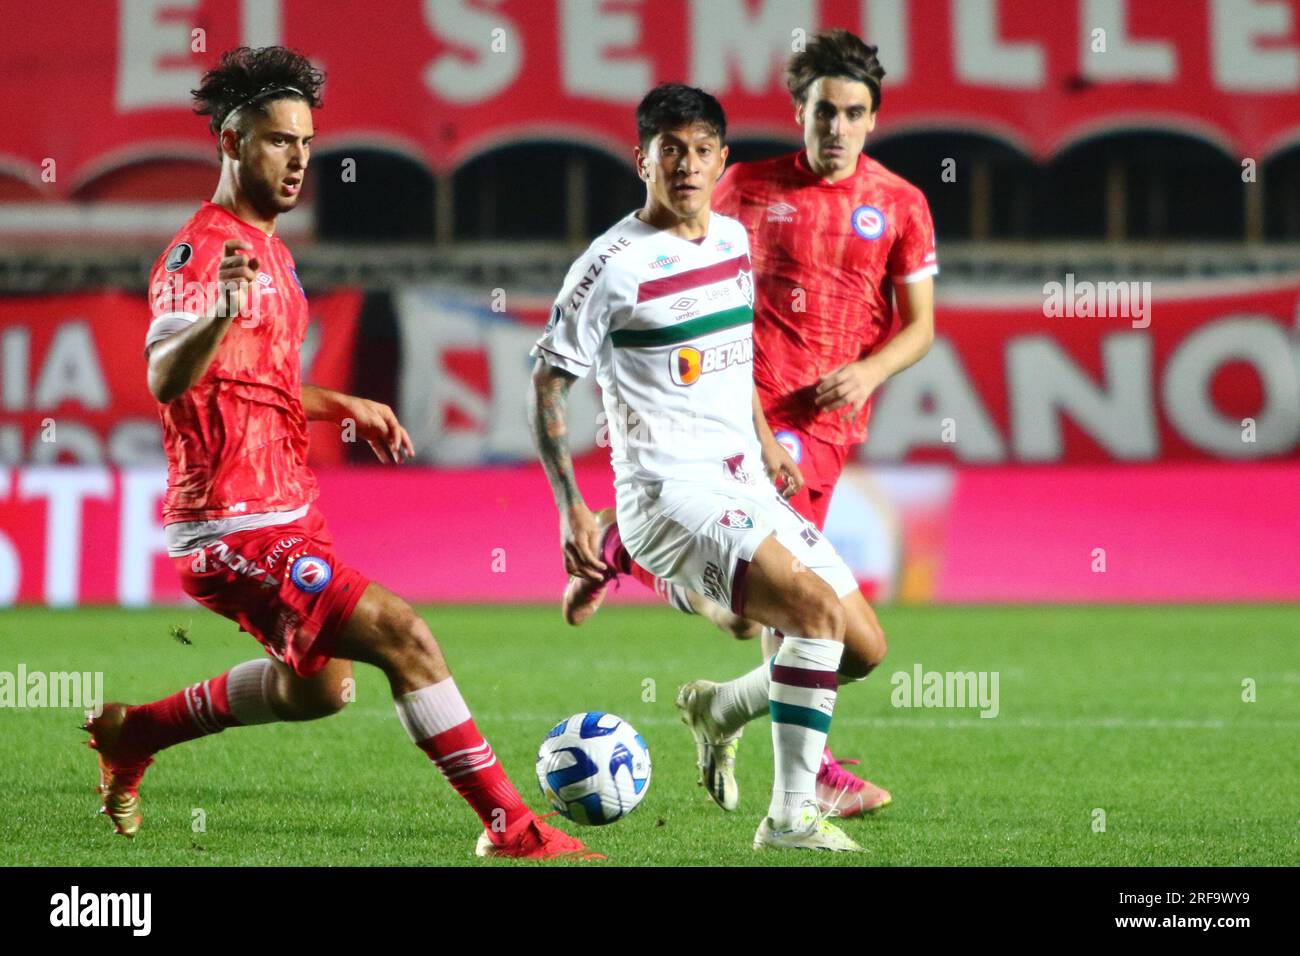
x,y
594,768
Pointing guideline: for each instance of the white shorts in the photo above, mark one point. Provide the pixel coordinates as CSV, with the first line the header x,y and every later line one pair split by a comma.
x,y
703,536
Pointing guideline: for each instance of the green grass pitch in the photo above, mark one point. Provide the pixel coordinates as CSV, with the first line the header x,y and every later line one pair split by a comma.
x,y
1137,713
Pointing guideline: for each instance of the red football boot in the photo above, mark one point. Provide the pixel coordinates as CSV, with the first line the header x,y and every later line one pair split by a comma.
x,y
119,770
532,839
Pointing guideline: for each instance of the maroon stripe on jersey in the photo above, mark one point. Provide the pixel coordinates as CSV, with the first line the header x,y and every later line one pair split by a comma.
x,y
706,275
802,677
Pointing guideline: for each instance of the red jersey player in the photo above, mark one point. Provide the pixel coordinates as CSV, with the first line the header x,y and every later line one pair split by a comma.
x,y
240,514
835,238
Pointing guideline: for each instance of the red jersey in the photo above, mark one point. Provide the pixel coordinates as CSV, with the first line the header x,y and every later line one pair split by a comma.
x,y
236,440
826,257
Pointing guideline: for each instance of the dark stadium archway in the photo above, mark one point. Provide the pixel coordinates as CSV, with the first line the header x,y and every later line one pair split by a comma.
x,y
978,187
1281,182
1142,184
543,189
153,179
380,195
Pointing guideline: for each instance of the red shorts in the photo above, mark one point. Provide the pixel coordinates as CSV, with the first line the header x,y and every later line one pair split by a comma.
x,y
820,463
282,584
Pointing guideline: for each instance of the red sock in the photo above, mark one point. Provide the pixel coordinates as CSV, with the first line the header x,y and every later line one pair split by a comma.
x,y
196,711
616,556
645,577
471,766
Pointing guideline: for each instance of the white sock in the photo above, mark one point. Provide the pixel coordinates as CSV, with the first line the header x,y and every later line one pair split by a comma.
x,y
248,691
430,710
802,700
771,641
740,700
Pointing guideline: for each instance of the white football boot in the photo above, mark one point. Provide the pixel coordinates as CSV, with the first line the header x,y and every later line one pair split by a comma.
x,y
811,831
715,751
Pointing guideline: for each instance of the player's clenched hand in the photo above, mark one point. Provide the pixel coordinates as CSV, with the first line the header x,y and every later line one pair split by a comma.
x,y
378,425
849,386
580,537
781,469
236,271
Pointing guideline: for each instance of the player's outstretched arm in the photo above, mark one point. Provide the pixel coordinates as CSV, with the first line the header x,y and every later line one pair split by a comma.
x,y
178,361
853,384
548,403
374,422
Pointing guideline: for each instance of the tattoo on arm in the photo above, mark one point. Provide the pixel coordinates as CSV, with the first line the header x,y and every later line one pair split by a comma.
x,y
547,409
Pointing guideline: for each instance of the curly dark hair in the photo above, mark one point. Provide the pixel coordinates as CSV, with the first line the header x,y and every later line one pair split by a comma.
x,y
248,76
835,53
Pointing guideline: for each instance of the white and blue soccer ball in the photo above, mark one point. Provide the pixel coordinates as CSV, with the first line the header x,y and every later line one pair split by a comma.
x,y
594,768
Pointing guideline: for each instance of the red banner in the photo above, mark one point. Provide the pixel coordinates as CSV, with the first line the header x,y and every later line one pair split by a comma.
x,y
72,377
104,84
1086,372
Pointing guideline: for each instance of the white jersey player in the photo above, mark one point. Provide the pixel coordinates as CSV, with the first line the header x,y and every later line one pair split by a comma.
x,y
661,307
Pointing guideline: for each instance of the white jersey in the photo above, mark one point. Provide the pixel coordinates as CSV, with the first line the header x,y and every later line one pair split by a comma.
x,y
668,325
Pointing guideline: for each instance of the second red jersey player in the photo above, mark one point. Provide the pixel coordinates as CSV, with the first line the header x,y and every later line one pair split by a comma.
x,y
827,256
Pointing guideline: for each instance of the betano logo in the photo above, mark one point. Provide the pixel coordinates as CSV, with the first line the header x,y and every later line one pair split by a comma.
x,y
687,363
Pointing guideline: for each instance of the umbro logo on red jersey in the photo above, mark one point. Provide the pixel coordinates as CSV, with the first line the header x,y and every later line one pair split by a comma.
x,y
781,212
265,280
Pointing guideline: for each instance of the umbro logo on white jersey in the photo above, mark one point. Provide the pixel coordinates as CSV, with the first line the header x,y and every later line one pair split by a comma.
x,y
682,304
781,212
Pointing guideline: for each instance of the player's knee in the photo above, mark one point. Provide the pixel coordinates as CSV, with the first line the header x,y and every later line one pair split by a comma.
x,y
324,701
878,646
409,642
821,615
837,619
857,663
296,699
864,648
874,646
